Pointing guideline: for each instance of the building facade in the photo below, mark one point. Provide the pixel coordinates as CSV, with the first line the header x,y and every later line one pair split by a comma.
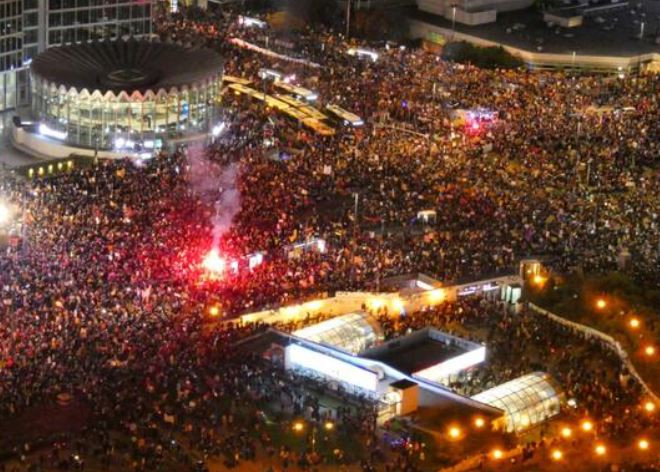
x,y
127,95
28,27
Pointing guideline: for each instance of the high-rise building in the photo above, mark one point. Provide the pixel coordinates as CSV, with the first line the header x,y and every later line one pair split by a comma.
x,y
28,27
11,50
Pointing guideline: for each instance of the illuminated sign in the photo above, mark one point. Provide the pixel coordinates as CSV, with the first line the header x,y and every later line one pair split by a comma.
x,y
255,260
298,356
247,21
439,372
470,289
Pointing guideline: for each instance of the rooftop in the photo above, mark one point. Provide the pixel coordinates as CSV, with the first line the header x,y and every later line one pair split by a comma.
x,y
611,33
126,66
411,357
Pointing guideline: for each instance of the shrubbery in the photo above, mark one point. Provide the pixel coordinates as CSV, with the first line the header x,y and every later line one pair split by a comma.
x,y
492,57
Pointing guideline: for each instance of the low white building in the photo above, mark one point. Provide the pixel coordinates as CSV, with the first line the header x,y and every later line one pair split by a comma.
x,y
471,12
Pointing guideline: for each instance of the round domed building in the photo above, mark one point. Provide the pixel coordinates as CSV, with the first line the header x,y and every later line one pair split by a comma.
x,y
125,94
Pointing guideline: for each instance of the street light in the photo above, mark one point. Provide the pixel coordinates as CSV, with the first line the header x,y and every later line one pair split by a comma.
x,y
479,422
601,303
298,426
557,455
587,426
329,426
634,323
566,432
649,350
600,450
649,406
454,432
539,280
643,444
497,454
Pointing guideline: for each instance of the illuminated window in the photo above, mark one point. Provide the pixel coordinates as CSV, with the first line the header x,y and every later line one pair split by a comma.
x,y
526,401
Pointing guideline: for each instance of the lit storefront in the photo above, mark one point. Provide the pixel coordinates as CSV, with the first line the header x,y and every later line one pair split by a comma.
x,y
130,95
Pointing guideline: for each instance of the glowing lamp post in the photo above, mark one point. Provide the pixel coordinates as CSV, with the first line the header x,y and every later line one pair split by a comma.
x,y
566,432
557,455
634,323
214,311
454,432
643,445
587,426
601,304
649,351
497,454
479,422
649,407
600,450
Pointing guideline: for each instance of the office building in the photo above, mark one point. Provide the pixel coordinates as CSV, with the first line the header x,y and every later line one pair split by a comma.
x,y
28,27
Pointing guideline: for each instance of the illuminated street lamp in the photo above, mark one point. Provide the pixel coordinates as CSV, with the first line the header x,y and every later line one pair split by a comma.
x,y
497,454
634,323
214,311
601,303
557,455
298,426
454,432
329,426
479,422
538,280
649,350
643,444
566,432
600,450
587,426
649,406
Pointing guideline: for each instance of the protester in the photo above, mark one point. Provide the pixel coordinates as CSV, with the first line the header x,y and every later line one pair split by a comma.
x,y
106,298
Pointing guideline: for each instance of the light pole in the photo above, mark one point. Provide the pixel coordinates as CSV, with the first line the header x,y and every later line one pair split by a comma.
x,y
355,230
432,130
355,222
453,20
348,17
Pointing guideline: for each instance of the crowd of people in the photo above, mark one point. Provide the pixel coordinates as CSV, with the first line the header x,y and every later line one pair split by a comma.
x,y
105,297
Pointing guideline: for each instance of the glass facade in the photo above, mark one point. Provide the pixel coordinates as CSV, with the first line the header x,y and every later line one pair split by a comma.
x,y
526,401
28,27
72,21
352,333
104,120
11,51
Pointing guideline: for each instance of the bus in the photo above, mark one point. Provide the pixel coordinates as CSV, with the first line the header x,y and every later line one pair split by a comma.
x,y
300,93
346,117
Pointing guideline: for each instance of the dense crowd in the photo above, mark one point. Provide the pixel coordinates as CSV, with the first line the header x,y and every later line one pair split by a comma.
x,y
105,298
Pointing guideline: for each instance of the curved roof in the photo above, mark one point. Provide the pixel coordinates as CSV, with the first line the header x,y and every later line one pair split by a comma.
x,y
526,401
353,332
126,66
